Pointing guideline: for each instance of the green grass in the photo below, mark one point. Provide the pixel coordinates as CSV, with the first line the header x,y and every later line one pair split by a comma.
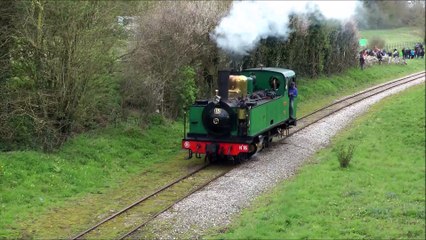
x,y
314,94
394,36
381,195
33,181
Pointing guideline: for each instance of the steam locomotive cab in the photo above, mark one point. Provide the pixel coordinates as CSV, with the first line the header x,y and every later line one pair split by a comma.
x,y
248,110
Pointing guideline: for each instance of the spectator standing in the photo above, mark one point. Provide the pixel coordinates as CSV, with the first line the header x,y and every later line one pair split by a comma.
x,y
362,59
395,56
292,93
379,55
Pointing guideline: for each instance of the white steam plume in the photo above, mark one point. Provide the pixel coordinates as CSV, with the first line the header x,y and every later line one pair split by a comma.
x,y
250,21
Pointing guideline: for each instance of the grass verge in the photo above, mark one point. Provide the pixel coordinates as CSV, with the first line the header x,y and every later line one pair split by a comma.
x,y
324,90
397,35
381,194
89,164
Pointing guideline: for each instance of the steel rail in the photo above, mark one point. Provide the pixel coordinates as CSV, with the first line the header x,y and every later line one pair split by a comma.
x,y
363,92
398,83
170,206
125,209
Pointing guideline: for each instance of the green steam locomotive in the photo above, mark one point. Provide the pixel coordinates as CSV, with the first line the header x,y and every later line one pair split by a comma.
x,y
250,108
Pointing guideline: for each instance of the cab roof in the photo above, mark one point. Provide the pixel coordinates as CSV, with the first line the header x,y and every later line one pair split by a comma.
x,y
283,71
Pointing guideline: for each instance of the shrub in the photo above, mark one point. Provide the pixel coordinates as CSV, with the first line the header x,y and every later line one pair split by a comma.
x,y
185,90
345,154
156,119
60,77
315,46
376,42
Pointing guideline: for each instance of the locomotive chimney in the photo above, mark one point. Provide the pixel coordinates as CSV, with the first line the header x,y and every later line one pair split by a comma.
x,y
222,83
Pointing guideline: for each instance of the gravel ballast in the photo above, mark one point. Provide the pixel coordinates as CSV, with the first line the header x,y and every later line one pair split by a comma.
x,y
216,204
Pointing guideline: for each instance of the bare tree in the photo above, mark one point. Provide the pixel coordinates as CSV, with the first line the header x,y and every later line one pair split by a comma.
x,y
172,35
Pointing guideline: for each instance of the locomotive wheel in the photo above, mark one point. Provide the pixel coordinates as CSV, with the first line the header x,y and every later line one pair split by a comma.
x,y
253,149
267,140
235,160
209,158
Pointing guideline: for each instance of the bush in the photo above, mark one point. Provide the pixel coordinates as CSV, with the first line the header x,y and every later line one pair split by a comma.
x,y
315,46
60,77
156,119
345,154
185,90
376,42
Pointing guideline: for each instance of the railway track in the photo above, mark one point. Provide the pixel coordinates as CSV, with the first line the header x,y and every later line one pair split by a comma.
x,y
338,105
121,224
103,228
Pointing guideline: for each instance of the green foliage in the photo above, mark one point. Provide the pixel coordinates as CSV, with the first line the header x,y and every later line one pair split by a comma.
x,y
381,196
317,42
62,63
181,92
314,47
157,120
186,87
22,135
345,154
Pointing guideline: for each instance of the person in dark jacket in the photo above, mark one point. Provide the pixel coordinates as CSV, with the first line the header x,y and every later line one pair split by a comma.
x,y
292,93
362,59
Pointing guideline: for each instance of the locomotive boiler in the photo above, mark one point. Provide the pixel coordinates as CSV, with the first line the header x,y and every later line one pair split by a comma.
x,y
250,108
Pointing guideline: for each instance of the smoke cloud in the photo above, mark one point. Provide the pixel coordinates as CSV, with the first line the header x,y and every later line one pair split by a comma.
x,y
250,21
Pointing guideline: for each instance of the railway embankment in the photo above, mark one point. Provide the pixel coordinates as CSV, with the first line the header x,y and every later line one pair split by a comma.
x,y
381,194
54,195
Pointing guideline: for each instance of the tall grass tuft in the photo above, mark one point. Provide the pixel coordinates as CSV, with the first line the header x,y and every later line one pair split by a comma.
x,y
345,154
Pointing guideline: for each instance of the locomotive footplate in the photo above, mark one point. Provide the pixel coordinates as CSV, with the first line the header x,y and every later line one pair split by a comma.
x,y
216,148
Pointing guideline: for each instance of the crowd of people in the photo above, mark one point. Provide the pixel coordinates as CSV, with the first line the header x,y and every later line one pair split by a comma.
x,y
369,56
417,52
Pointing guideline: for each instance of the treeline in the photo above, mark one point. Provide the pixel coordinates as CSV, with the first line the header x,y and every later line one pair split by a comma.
x,y
58,70
372,14
316,46
70,66
175,59
173,56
